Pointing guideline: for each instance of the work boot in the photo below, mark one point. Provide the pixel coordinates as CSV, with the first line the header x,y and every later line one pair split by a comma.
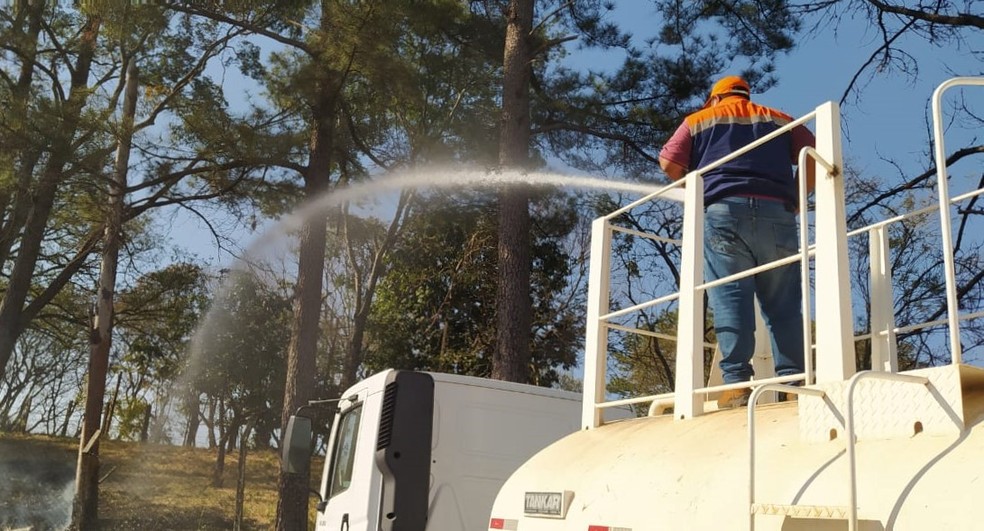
x,y
788,397
733,398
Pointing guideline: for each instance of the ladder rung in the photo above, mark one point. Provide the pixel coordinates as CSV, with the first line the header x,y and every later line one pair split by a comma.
x,y
801,511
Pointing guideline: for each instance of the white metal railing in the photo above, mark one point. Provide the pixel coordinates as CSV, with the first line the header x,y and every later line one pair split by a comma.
x,y
833,315
689,366
883,343
945,222
884,354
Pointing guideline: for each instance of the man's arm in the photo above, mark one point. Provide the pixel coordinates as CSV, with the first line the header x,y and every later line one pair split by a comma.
x,y
673,170
803,137
677,148
811,174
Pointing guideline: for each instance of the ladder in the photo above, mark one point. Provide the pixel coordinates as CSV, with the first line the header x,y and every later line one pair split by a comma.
x,y
847,512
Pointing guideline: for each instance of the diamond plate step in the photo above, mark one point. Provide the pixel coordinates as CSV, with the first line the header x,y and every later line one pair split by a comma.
x,y
888,409
820,512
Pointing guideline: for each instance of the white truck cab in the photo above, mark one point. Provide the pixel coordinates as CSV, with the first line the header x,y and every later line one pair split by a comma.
x,y
415,451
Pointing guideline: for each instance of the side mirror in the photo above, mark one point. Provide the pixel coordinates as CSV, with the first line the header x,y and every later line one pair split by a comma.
x,y
297,446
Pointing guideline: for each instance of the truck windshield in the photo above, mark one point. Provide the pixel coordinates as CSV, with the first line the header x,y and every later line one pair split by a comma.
x,y
343,455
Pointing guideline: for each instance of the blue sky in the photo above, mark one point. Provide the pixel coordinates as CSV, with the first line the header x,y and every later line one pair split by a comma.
x,y
887,119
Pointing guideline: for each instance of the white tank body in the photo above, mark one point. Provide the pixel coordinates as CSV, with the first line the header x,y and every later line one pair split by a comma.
x,y
656,473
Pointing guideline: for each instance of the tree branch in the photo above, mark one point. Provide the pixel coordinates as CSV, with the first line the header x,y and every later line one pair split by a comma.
x,y
913,182
66,274
577,128
961,19
207,54
881,49
192,9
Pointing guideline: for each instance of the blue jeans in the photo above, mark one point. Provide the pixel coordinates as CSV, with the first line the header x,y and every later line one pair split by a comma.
x,y
741,233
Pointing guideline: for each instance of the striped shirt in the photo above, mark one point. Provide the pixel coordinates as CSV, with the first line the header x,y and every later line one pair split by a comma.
x,y
712,133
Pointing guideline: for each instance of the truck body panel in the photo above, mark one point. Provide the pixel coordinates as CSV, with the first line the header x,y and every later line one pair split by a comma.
x,y
482,430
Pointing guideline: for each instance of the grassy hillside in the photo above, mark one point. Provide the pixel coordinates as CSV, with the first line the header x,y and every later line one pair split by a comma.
x,y
146,486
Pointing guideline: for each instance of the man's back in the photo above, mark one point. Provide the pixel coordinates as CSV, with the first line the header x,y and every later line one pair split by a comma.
x,y
730,125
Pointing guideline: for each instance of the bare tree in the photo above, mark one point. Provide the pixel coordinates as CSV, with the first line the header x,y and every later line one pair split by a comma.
x,y
942,24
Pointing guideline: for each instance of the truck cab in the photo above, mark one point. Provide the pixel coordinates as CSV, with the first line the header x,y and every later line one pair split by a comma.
x,y
426,451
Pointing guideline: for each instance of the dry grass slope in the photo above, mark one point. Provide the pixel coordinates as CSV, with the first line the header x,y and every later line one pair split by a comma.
x,y
146,487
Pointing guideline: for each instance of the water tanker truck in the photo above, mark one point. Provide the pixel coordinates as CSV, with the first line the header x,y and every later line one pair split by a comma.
x,y
877,449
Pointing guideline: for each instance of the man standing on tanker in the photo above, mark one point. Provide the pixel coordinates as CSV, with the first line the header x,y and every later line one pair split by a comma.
x,y
750,208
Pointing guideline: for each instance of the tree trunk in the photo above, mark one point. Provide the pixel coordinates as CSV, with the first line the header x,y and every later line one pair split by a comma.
x,y
292,503
20,423
108,417
293,488
69,411
511,359
211,423
145,425
219,468
233,438
85,507
193,420
241,477
15,204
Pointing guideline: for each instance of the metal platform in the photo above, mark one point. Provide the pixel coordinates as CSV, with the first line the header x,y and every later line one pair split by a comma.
x,y
886,409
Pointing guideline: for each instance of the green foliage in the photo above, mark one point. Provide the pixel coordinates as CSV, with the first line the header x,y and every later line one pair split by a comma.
x,y
130,415
645,365
156,319
239,353
434,306
611,119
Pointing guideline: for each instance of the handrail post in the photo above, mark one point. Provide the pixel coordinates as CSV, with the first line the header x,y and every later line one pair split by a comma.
x,y
690,327
835,337
884,351
945,222
596,332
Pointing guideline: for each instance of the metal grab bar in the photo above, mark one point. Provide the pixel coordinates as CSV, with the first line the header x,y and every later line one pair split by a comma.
x,y
752,400
852,519
945,222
